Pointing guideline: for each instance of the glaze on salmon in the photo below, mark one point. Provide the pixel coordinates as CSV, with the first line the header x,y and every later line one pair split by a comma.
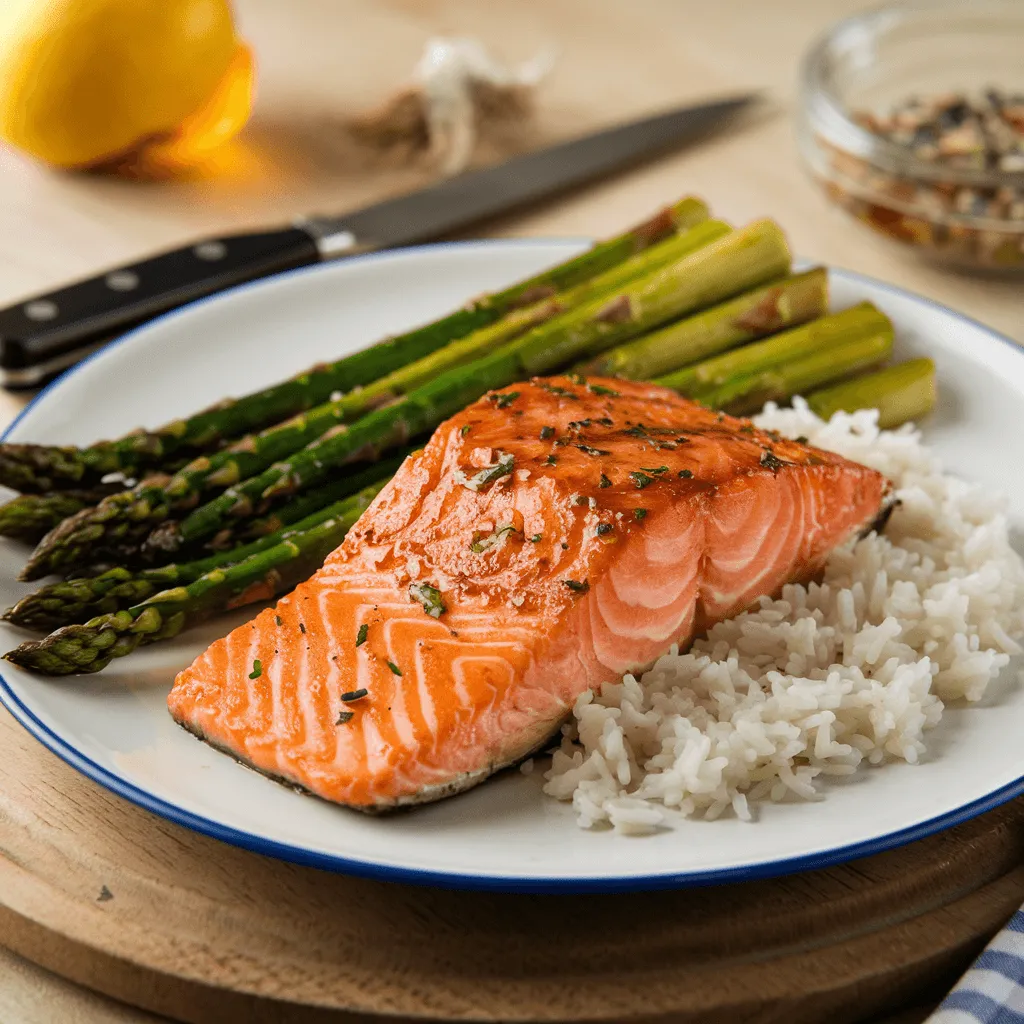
x,y
550,537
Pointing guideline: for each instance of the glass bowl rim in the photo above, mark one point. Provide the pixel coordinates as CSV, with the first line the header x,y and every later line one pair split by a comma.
x,y
828,117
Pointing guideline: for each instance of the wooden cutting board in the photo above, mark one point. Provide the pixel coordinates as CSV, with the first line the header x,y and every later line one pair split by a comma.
x,y
117,899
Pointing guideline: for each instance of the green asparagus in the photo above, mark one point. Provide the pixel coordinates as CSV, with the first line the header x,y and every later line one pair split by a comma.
x,y
747,393
851,323
731,264
39,468
84,538
79,599
765,310
29,517
906,391
91,646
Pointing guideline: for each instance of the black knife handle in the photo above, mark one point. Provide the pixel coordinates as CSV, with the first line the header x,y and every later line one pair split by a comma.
x,y
48,332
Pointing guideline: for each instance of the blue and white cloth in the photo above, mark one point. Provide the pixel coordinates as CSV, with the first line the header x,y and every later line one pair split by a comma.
x,y
992,991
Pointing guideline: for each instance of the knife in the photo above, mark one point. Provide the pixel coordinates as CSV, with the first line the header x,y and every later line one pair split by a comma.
x,y
44,334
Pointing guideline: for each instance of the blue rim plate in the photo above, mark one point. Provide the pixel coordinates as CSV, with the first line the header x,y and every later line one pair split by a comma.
x,y
505,835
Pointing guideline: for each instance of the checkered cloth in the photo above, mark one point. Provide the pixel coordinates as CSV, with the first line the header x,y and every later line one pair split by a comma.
x,y
992,991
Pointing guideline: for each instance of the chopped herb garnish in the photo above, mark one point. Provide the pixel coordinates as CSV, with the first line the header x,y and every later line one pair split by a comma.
x,y
354,695
364,630
580,424
551,460
503,467
278,621
561,392
747,428
774,435
596,452
302,627
466,428
605,482
503,401
603,528
656,469
641,479
577,586
600,389
802,439
536,538
606,421
394,668
577,378
639,513
646,434
430,597
565,547
686,473
482,544
771,461
345,716
257,669
546,432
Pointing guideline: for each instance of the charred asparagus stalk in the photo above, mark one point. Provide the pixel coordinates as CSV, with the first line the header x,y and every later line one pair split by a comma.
x,y
39,468
130,515
727,266
76,600
30,517
906,391
92,645
787,303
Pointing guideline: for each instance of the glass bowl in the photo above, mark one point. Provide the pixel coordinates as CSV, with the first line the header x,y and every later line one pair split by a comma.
x,y
869,64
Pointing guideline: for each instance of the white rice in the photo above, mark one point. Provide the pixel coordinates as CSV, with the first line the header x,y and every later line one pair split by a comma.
x,y
825,679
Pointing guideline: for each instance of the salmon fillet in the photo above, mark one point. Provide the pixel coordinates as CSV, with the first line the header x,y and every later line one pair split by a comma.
x,y
550,537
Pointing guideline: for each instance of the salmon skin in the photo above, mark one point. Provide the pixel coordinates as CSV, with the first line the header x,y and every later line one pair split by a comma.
x,y
550,537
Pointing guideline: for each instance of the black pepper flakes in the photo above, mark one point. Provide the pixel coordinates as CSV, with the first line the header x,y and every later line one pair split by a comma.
x,y
771,461
686,473
603,528
546,432
604,482
551,460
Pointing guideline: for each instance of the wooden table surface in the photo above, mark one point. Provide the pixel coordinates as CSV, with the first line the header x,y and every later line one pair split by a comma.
x,y
321,61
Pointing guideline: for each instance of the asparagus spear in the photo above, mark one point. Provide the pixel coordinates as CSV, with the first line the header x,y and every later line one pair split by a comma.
x,y
731,264
906,391
104,532
129,515
851,323
39,468
793,300
76,600
91,646
28,517
747,393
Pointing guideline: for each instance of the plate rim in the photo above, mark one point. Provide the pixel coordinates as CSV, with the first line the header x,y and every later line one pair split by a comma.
x,y
460,879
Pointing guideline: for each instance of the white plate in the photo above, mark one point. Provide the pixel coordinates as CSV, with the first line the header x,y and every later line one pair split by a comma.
x,y
504,834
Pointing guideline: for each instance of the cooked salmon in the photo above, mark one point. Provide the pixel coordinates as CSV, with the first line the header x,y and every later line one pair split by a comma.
x,y
552,536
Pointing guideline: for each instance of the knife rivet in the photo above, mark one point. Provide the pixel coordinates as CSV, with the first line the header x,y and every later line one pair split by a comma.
x,y
122,280
41,309
211,250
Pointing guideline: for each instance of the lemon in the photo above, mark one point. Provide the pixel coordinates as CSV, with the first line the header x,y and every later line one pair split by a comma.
x,y
95,82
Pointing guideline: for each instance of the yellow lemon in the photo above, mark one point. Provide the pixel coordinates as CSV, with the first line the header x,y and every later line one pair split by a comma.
x,y
130,84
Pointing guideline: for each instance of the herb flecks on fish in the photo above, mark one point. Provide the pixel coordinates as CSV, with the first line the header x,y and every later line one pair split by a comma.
x,y
546,433
394,668
505,399
771,461
603,528
352,695
577,586
487,475
595,452
686,474
430,597
600,389
466,428
257,669
604,482
641,480
639,514
656,470
490,540
361,635
345,716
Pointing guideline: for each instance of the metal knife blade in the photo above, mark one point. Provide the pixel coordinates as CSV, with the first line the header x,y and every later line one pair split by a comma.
x,y
45,334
